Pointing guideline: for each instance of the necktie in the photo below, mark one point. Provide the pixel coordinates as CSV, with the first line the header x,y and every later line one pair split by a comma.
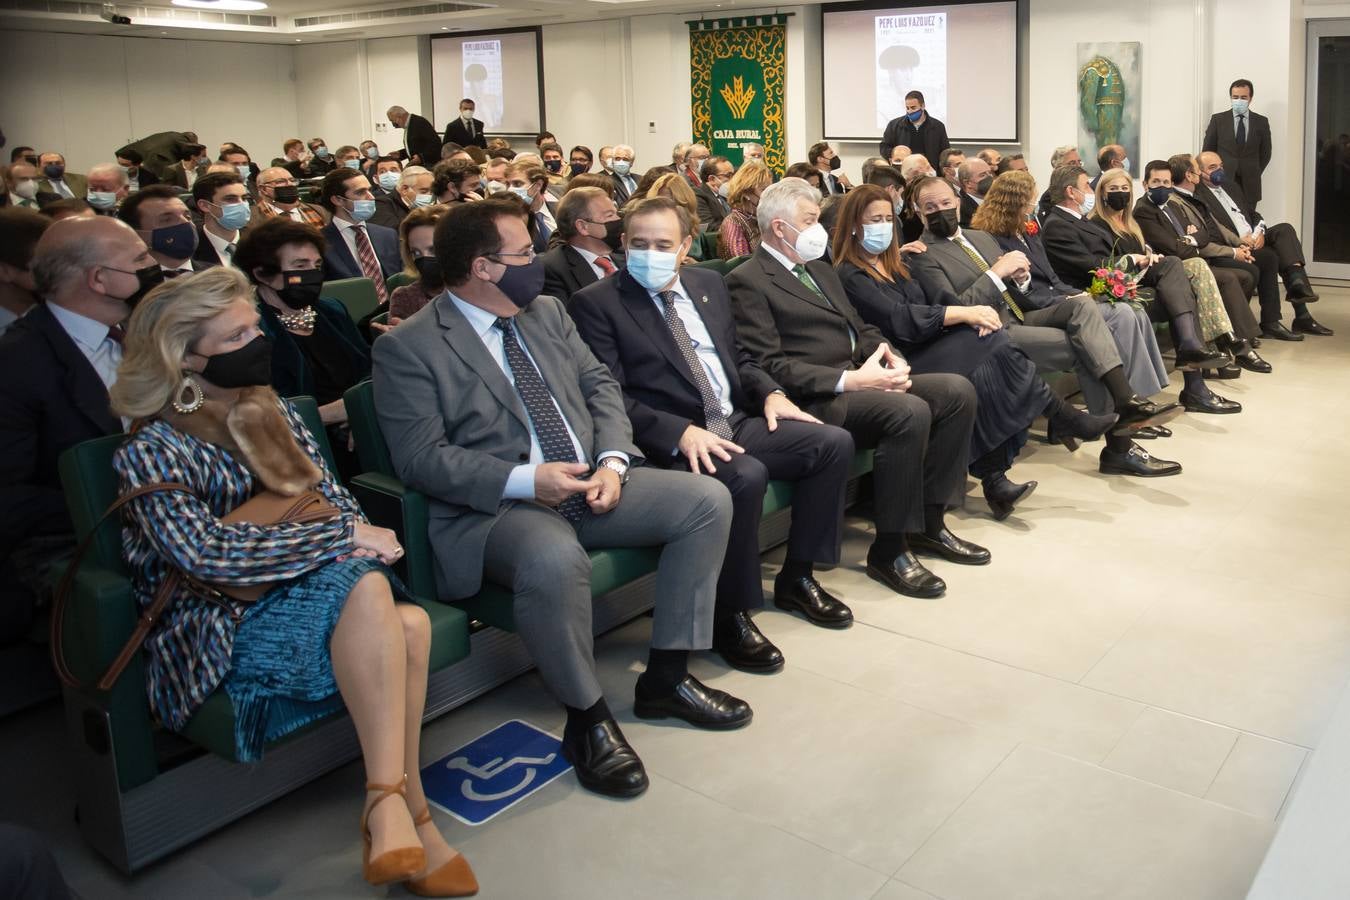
x,y
976,258
805,278
117,334
549,427
471,129
365,254
1242,130
229,253
712,404
1173,219
605,265
542,225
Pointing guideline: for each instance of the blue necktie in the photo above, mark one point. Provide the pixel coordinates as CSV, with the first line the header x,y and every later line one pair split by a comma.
x,y
1242,130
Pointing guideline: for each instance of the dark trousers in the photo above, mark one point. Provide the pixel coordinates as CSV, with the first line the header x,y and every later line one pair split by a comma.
x,y
816,458
922,443
1169,281
1266,271
27,869
1236,287
1283,239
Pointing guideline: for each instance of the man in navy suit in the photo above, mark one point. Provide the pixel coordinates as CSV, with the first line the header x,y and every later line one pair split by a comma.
x,y
356,249
700,401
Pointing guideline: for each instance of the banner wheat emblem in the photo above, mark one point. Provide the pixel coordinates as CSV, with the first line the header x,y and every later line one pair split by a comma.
x,y
738,97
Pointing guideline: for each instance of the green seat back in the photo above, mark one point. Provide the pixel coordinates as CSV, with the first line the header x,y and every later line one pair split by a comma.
x,y
371,449
708,240
308,408
720,266
399,280
357,294
381,319
735,261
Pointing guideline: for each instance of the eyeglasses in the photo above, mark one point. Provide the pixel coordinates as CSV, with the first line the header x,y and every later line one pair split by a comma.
x,y
528,255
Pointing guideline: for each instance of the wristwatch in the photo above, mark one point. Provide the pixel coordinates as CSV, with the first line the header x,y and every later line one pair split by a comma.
x,y
617,466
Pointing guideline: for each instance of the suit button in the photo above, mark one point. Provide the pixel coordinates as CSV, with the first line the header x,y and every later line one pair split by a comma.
x,y
524,457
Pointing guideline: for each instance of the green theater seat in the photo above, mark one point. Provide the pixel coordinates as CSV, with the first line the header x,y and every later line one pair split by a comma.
x,y
356,294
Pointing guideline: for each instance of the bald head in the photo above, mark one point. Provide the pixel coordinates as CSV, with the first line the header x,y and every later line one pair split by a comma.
x,y
914,166
88,265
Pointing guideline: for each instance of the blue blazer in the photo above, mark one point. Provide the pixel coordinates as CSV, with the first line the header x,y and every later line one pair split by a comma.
x,y
338,261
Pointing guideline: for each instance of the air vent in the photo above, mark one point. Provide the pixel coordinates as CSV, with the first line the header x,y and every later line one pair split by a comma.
x,y
376,15
137,13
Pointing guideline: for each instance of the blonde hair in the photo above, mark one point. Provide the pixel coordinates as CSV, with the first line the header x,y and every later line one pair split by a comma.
x,y
1004,210
751,177
162,329
1127,224
676,188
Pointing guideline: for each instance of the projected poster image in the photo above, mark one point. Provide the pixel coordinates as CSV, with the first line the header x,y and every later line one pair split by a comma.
x,y
911,55
483,80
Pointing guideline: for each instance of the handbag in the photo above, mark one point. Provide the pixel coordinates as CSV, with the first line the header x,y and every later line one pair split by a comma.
x,y
265,508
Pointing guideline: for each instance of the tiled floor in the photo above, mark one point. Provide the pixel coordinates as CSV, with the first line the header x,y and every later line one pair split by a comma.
x,y
1116,707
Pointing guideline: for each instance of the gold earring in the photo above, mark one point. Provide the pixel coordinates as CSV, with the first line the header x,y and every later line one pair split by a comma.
x,y
188,386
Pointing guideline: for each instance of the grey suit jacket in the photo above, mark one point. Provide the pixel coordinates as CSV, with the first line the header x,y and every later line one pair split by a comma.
x,y
950,277
456,427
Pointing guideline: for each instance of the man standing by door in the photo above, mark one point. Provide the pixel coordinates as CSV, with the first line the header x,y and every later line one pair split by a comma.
x,y
1242,140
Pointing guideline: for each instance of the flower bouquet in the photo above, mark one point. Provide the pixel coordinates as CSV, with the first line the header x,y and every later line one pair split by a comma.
x,y
1117,281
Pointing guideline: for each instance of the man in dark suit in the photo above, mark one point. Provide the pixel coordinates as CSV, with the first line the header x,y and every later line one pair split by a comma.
x,y
712,205
161,219
916,130
973,178
1242,140
592,233
421,143
495,408
161,150
182,174
466,130
1276,248
57,363
625,183
792,314
221,200
827,163
354,248
698,400
138,176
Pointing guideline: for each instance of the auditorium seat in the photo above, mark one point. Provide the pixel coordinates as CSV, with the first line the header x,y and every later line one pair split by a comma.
x,y
398,280
357,294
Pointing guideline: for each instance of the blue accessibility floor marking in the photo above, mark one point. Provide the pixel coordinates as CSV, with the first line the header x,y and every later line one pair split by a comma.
x,y
494,771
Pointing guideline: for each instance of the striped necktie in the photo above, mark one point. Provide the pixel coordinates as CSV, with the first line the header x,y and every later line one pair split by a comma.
x,y
976,258
370,267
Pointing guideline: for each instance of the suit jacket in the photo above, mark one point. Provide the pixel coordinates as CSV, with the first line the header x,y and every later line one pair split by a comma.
x,y
566,271
1046,285
205,256
1075,246
338,261
799,338
621,191
1195,207
930,139
159,151
456,427
619,320
1220,212
423,141
712,209
1244,163
78,184
1163,237
53,400
968,209
389,211
458,133
175,176
950,277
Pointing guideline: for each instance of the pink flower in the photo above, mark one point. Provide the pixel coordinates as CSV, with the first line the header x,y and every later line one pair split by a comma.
x,y
1101,273
1117,290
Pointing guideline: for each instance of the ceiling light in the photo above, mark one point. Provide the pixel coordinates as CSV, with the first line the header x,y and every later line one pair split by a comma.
x,y
231,5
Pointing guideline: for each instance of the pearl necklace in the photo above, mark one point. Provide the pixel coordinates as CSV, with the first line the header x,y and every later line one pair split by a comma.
x,y
302,320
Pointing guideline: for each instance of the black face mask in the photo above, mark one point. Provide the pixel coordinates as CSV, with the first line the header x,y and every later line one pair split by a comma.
x,y
521,284
429,268
944,222
553,165
613,234
835,162
985,184
249,366
300,287
286,193
147,279
1117,200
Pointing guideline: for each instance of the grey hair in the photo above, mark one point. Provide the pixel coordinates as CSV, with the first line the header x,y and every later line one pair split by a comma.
x,y
871,163
745,147
412,172
911,165
618,147
1057,158
110,169
779,201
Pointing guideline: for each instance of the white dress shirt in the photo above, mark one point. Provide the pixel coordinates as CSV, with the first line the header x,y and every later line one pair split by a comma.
x,y
348,232
520,483
701,338
92,337
222,246
16,200
7,319
1235,213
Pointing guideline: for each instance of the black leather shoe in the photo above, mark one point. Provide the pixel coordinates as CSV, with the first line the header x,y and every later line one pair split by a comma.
x,y
1277,331
605,762
1201,359
806,596
1297,287
1140,411
949,547
1309,325
1152,432
1004,495
1255,342
906,575
1252,361
1135,461
1227,372
696,703
1071,425
739,641
1214,404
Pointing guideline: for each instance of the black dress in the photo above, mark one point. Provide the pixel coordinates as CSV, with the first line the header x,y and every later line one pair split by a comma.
x,y
1010,392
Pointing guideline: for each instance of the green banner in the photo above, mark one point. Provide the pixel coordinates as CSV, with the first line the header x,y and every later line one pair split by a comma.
x,y
736,85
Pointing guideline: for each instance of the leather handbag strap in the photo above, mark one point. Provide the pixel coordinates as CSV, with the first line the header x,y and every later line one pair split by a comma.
x,y
144,623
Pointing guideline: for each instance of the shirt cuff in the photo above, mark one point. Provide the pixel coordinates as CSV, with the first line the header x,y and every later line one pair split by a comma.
x,y
839,385
520,483
996,280
623,457
1260,227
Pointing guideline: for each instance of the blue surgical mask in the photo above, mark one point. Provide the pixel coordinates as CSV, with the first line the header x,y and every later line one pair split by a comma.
x,y
1216,177
101,199
372,152
244,171
523,193
234,216
653,269
388,180
352,163
914,116
321,151
174,241
1125,164
424,200
877,236
1241,106
1089,201
622,166
362,209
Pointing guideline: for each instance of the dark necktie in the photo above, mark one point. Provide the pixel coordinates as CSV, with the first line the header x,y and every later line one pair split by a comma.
x,y
541,228
549,427
976,258
117,334
1242,129
713,419
1173,219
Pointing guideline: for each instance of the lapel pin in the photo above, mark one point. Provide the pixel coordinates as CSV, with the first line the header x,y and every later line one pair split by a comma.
x,y
704,298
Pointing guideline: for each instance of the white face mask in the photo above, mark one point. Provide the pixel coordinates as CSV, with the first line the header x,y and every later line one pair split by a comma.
x,y
466,114
722,189
811,242
27,188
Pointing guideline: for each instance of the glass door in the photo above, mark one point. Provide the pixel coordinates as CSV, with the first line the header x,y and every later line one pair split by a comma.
x,y
1326,191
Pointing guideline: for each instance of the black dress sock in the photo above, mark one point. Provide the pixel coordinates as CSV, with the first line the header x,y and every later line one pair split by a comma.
x,y
579,720
1186,333
1118,443
1195,383
934,515
1119,386
796,568
665,670
887,547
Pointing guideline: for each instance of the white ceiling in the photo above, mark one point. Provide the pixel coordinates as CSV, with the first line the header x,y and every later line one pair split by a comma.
x,y
501,14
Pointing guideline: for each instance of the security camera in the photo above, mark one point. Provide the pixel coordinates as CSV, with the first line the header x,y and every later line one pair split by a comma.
x,y
109,14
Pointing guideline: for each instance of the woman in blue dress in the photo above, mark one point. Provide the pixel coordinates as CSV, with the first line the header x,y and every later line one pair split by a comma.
x,y
327,631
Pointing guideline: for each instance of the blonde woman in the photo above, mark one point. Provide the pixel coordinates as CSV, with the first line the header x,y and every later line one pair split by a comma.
x,y
739,232
676,187
328,631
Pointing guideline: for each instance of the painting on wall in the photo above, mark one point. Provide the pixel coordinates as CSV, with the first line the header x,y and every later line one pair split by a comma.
x,y
1109,86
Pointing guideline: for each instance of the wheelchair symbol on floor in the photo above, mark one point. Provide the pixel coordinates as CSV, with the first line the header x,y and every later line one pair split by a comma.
x,y
492,769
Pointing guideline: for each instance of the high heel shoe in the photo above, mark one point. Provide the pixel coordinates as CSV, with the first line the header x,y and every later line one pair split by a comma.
x,y
392,865
454,879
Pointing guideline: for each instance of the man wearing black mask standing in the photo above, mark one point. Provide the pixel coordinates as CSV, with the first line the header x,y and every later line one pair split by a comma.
x,y
916,130
58,362
593,231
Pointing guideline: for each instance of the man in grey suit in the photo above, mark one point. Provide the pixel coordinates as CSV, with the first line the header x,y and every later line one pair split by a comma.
x,y
495,409
1242,139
